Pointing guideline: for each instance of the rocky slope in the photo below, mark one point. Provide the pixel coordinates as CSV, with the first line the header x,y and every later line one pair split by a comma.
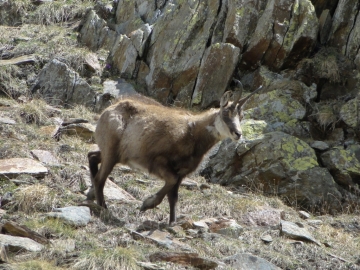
x,y
62,63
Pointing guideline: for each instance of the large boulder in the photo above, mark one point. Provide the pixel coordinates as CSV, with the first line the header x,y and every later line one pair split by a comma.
x,y
131,15
350,113
343,165
95,33
285,33
214,78
275,163
60,85
282,106
343,32
177,46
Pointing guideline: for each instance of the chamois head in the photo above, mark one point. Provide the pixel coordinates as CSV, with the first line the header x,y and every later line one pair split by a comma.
x,y
231,113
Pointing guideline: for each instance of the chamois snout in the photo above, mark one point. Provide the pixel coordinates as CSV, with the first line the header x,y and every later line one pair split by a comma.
x,y
236,135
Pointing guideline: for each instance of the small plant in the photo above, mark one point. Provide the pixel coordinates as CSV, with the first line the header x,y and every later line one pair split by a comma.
x,y
108,259
36,265
35,198
34,112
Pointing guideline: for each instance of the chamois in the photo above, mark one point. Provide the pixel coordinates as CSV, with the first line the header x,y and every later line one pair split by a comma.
x,y
166,142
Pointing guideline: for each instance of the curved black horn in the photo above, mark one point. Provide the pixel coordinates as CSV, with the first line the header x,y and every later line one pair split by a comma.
x,y
243,100
238,89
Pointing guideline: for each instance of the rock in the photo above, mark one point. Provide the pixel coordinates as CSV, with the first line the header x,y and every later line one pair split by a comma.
x,y
263,218
111,190
213,80
113,90
17,230
281,164
284,108
343,164
6,198
304,214
228,227
124,56
19,60
163,239
174,64
16,166
45,157
95,33
343,33
315,222
149,266
319,145
293,231
73,215
261,76
350,112
189,184
7,120
191,259
83,130
246,261
131,15
284,34
3,254
15,244
92,63
238,13
325,22
139,38
267,238
60,85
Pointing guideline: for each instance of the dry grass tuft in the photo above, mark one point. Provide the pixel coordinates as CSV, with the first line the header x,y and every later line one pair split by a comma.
x,y
326,65
108,259
35,198
326,116
56,12
36,265
34,112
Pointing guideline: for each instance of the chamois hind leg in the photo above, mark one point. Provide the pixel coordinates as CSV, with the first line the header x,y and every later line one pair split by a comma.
x,y
173,195
94,158
99,181
160,169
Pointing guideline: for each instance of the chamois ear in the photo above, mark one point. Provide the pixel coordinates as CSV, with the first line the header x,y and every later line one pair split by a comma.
x,y
225,99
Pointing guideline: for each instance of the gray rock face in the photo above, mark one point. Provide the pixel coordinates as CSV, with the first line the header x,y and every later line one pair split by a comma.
x,y
112,91
279,163
293,231
283,29
45,157
343,164
174,64
124,55
343,32
16,166
95,33
59,85
215,73
15,243
131,15
72,215
350,112
246,261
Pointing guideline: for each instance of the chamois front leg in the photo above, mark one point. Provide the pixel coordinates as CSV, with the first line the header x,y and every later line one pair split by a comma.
x,y
173,198
165,173
107,164
94,158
